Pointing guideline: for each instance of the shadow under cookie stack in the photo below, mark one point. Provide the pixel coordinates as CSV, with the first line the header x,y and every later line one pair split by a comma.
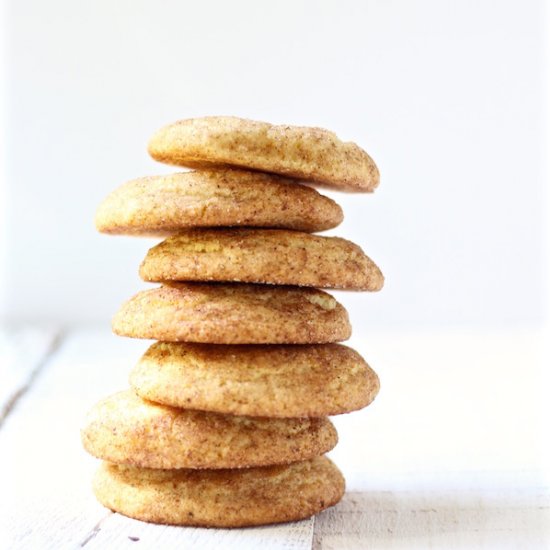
x,y
225,424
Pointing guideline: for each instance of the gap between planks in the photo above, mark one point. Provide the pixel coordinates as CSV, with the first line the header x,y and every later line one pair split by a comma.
x,y
22,362
95,530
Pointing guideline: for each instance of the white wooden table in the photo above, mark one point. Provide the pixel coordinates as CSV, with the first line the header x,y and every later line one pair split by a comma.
x,y
452,454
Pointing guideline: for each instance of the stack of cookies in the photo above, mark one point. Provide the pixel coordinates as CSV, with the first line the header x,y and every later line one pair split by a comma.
x,y
226,422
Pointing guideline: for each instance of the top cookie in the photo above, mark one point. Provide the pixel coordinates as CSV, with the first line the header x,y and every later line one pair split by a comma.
x,y
310,154
163,205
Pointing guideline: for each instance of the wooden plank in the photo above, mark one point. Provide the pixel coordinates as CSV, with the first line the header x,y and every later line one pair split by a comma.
x,y
118,531
22,351
435,519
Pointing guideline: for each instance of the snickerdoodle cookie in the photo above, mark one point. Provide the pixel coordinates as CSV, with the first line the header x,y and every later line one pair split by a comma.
x,y
126,429
271,256
310,154
273,381
233,314
163,205
220,498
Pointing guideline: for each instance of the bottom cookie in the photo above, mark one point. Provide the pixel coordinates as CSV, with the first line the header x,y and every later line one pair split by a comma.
x,y
220,498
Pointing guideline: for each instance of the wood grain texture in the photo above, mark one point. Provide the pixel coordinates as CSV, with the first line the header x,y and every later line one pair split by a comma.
x,y
436,519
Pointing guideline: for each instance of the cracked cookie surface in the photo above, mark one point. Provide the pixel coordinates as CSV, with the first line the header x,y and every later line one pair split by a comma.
x,y
271,256
125,429
233,314
164,205
262,380
307,153
220,498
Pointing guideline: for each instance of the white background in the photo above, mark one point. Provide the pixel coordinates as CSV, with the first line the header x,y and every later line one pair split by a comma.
x,y
446,96
449,97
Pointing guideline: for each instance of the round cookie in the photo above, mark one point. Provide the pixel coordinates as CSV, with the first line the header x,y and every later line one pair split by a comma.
x,y
271,381
310,154
163,205
233,314
220,498
271,256
126,429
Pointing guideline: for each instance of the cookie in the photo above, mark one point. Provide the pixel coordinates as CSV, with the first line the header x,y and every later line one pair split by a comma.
x,y
271,381
163,205
220,498
271,256
126,429
233,314
309,154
